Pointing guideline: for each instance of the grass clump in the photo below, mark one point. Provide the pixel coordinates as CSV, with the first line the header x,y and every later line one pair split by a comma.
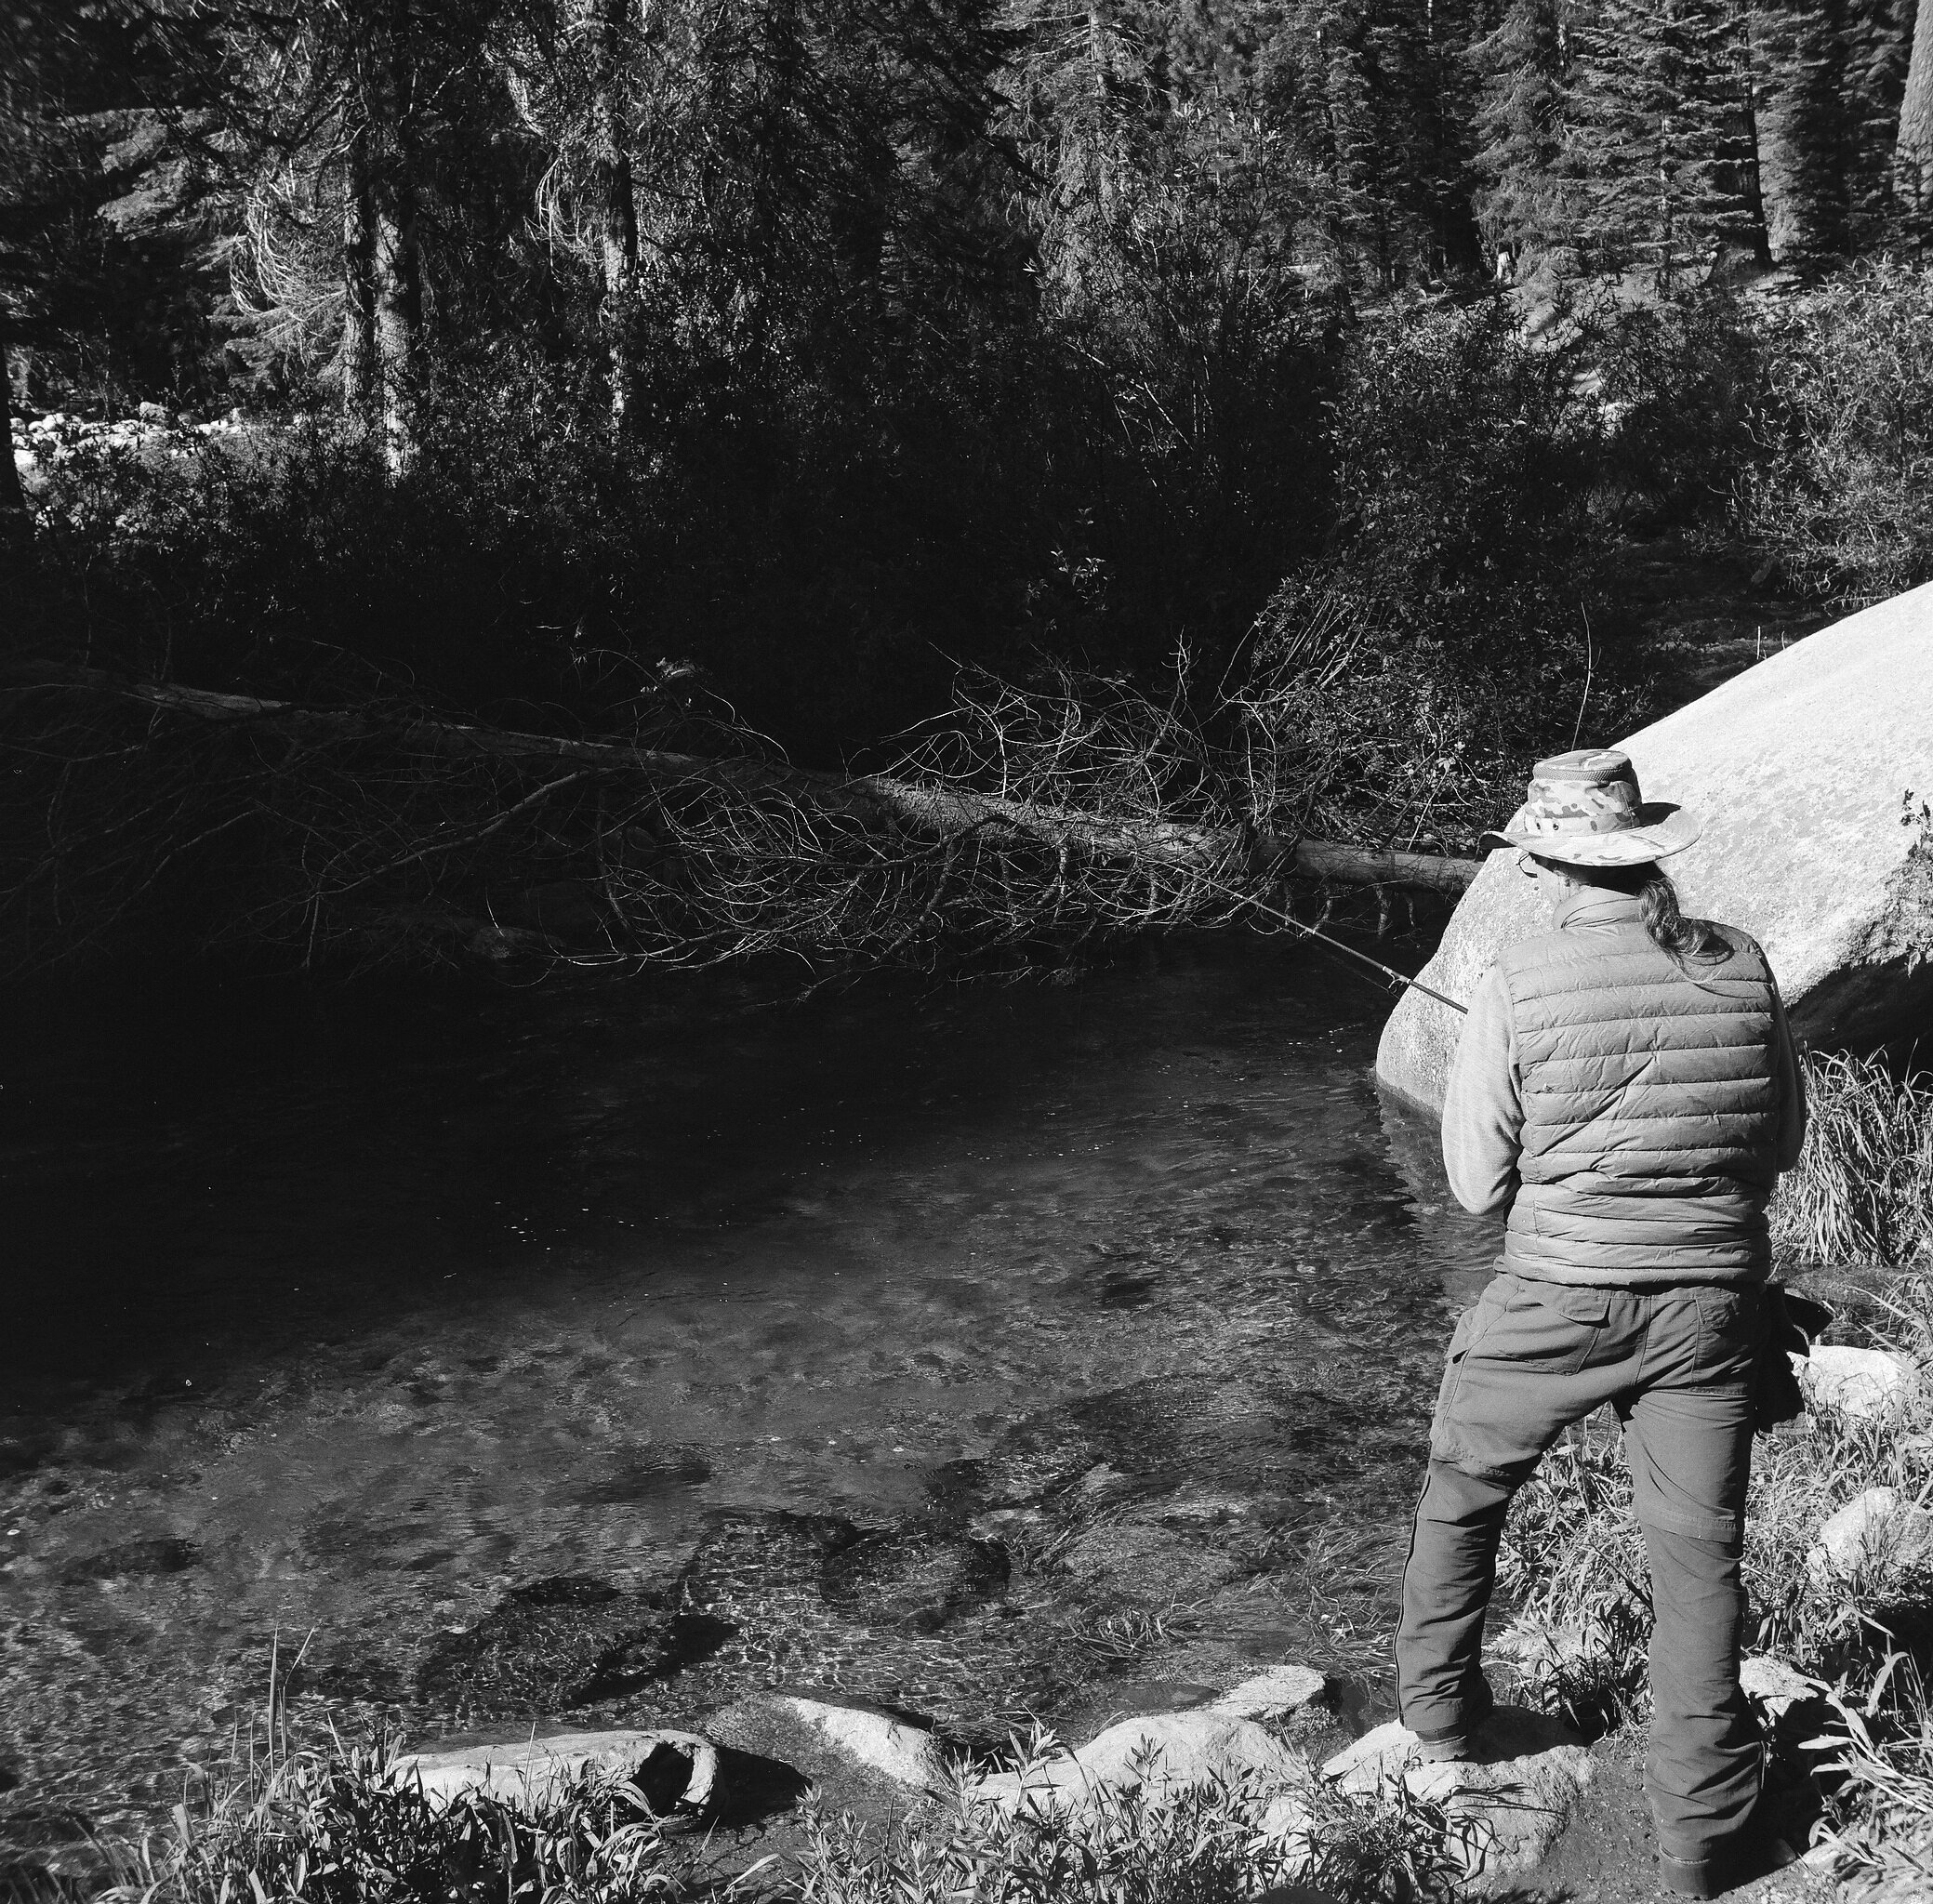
x,y
332,1826
1862,1191
1218,1842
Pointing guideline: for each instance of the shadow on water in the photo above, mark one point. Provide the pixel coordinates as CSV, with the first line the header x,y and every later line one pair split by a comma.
x,y
604,1351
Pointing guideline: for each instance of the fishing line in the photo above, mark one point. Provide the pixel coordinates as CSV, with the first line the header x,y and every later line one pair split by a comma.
x,y
1397,981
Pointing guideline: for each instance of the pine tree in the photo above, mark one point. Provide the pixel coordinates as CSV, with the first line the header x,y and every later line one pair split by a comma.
x,y
1913,163
1527,197
1878,40
1807,124
1666,138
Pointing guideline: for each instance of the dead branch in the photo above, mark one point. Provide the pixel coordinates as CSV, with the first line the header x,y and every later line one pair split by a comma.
x,y
946,811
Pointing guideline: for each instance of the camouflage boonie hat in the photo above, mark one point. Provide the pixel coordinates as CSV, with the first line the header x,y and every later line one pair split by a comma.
x,y
1585,810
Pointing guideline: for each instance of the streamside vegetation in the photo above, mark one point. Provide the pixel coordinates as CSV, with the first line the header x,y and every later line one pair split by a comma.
x,y
335,1826
1253,409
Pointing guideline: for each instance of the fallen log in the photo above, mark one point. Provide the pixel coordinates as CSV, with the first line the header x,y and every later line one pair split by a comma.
x,y
940,811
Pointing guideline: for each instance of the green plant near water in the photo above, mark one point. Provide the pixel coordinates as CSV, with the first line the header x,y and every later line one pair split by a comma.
x,y
1212,1842
332,1826
1864,1188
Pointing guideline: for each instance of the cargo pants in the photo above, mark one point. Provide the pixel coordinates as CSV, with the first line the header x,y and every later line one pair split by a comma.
x,y
1676,1364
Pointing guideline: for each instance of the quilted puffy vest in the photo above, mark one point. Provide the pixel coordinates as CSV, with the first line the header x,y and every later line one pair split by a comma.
x,y
1650,1108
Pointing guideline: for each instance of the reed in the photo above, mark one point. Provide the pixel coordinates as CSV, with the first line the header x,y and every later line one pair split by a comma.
x,y
1864,1188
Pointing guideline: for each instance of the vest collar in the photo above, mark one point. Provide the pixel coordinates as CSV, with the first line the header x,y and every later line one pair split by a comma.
x,y
1593,905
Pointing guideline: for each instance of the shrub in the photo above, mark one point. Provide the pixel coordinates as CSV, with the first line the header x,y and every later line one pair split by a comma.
x,y
1842,500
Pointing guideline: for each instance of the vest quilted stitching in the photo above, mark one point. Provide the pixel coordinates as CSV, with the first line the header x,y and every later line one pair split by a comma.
x,y
1650,1110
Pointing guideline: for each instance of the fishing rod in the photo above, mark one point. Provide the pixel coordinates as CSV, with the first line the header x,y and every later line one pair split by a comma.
x,y
1397,981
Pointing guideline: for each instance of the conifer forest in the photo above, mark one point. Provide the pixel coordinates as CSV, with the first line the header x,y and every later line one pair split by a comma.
x,y
1241,415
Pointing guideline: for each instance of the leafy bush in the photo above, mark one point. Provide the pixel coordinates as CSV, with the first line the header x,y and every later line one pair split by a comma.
x,y
1842,500
1458,624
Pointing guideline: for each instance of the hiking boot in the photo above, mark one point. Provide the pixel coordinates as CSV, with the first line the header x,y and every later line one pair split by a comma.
x,y
1447,1744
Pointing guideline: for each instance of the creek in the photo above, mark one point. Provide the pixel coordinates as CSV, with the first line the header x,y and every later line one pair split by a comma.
x,y
335,1318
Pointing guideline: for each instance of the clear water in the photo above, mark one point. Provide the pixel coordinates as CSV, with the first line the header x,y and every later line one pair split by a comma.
x,y
333,1320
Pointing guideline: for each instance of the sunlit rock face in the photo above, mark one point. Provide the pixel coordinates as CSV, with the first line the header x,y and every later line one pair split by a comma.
x,y
1799,768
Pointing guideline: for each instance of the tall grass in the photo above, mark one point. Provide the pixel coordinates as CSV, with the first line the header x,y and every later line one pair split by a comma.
x,y
1863,1189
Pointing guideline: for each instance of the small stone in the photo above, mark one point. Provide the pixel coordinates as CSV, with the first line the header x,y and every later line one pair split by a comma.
x,y
1864,1383
1773,1685
1168,1751
1274,1694
1874,1529
902,1753
676,1771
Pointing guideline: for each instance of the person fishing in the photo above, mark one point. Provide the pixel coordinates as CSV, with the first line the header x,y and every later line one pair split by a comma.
x,y
1627,1087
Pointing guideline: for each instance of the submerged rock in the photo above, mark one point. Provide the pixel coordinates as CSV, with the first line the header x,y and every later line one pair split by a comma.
x,y
133,1558
1167,1751
1865,1383
675,1772
559,1643
917,1578
1798,768
1507,1805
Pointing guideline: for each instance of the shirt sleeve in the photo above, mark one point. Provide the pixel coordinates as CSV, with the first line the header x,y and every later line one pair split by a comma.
x,y
1483,1113
1792,1087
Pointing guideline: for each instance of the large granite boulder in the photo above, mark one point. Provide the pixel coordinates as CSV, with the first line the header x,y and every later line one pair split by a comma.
x,y
1798,767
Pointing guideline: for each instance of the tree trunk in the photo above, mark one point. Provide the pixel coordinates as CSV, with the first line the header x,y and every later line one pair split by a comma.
x,y
397,263
601,24
936,809
359,286
16,524
1913,161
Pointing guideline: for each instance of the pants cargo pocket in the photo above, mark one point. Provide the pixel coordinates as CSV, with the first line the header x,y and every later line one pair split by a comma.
x,y
1472,1328
1551,1327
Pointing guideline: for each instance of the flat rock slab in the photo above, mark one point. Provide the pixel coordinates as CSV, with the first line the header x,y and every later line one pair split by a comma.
x,y
1507,1805
1160,1750
677,1772
1797,768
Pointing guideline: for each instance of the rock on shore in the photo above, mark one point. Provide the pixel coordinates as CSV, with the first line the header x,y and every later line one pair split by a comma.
x,y
1798,768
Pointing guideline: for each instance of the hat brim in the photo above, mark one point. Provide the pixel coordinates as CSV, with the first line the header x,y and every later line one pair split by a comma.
x,y
1661,830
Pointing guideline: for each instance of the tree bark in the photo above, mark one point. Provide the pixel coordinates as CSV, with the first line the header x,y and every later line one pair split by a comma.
x,y
16,524
873,799
359,286
397,261
600,25
1913,157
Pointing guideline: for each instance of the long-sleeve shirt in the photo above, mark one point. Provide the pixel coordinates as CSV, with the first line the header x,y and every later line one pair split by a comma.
x,y
1483,1107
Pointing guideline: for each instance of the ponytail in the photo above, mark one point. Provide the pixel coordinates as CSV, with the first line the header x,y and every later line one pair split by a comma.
x,y
1671,930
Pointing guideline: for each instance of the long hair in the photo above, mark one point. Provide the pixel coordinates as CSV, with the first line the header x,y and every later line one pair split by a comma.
x,y
1672,930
